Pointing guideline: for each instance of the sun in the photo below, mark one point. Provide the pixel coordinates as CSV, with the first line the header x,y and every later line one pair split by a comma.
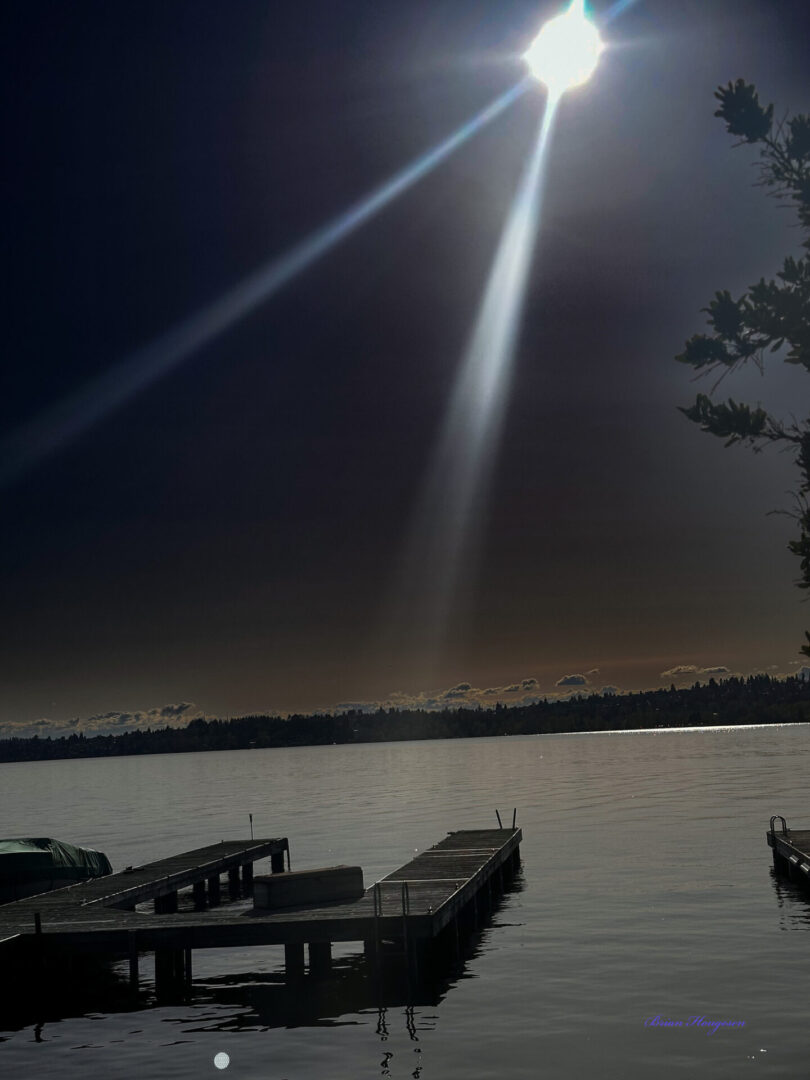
x,y
566,51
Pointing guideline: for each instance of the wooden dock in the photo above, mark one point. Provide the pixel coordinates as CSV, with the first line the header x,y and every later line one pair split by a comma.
x,y
791,851
450,883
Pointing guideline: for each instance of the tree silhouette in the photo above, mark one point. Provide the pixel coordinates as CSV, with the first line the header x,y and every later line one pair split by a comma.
x,y
772,316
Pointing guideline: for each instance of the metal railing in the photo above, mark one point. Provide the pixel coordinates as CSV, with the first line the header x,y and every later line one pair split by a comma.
x,y
785,829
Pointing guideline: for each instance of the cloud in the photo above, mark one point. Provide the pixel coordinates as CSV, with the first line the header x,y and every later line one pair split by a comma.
x,y
458,692
680,671
572,680
113,722
464,694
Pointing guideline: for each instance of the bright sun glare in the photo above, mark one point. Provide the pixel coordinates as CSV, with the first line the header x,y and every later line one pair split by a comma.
x,y
566,51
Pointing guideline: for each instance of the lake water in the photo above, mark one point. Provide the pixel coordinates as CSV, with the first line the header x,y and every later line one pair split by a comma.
x,y
646,889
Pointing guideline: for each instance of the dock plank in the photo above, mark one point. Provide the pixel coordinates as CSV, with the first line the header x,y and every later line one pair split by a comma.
x,y
440,882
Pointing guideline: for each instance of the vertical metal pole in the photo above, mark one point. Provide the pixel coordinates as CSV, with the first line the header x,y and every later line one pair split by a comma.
x,y
377,895
406,907
251,825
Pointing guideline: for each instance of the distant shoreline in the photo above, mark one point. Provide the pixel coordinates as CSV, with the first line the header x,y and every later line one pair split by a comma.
x,y
733,702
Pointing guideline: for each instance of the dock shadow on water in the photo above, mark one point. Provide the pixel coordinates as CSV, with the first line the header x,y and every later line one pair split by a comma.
x,y
355,986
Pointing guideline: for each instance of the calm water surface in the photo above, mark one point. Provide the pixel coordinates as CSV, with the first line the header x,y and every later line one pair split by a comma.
x,y
646,890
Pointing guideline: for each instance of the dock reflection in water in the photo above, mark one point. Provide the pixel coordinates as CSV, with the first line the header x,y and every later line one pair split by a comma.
x,y
356,991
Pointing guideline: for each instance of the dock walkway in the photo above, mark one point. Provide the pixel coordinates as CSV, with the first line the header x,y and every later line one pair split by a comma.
x,y
414,904
791,850
111,900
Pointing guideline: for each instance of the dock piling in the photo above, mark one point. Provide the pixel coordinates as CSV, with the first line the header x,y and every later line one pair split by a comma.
x,y
294,960
247,878
166,904
320,957
133,961
213,891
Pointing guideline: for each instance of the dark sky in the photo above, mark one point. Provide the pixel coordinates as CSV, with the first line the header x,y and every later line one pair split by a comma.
x,y
224,538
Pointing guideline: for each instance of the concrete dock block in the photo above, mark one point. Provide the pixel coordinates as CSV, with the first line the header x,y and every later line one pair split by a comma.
x,y
301,887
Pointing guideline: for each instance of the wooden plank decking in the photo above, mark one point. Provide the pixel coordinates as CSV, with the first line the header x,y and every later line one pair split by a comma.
x,y
98,902
415,902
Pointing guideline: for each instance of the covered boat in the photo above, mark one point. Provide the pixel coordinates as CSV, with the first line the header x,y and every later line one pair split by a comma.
x,y
32,866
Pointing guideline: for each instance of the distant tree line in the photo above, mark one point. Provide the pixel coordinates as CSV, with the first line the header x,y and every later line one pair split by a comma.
x,y
758,699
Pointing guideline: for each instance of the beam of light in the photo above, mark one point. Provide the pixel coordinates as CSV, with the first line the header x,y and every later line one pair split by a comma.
x,y
440,546
617,9
68,418
566,51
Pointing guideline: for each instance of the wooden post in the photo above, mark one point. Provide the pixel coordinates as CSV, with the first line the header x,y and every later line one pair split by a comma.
x,y
420,954
233,882
213,890
247,878
320,957
277,862
199,896
166,904
294,960
172,973
39,946
164,968
133,961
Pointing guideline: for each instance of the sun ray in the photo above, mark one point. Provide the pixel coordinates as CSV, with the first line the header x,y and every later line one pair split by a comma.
x,y
436,565
70,417
441,542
